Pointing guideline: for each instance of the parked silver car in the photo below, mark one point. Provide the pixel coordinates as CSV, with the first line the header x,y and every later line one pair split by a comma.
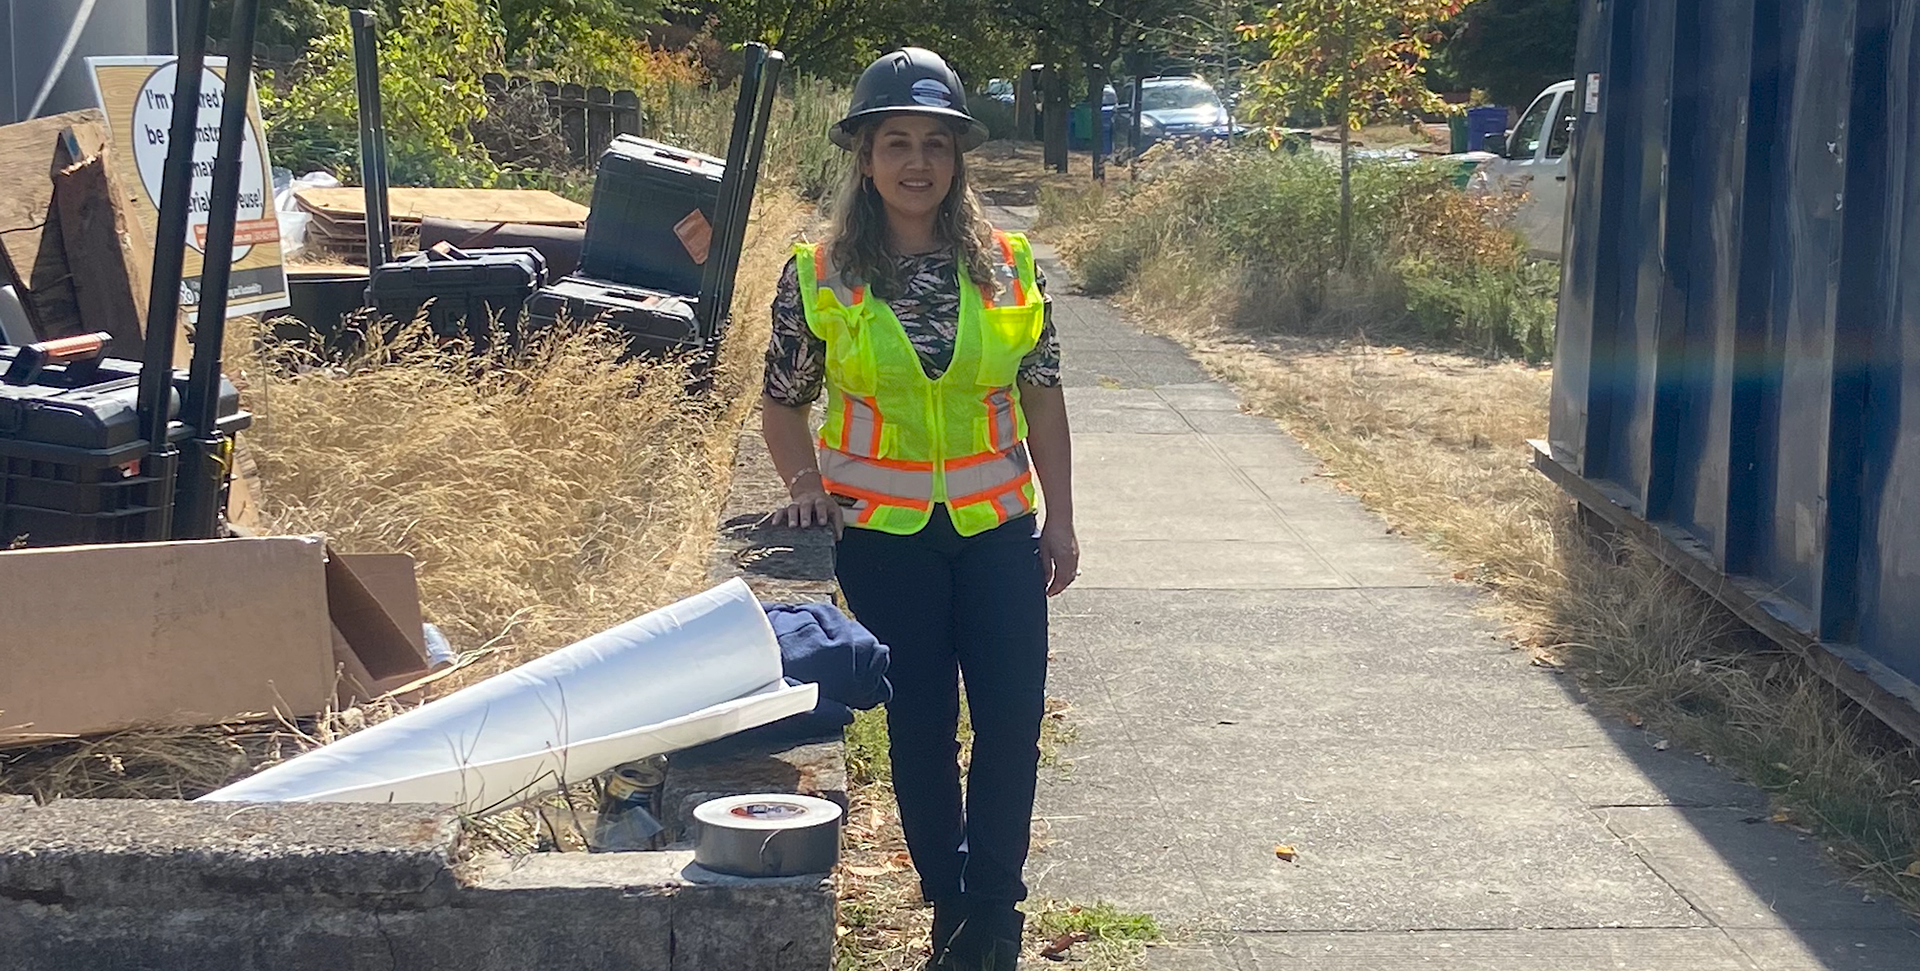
x,y
1174,108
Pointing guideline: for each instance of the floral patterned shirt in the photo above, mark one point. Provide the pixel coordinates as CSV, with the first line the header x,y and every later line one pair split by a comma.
x,y
929,311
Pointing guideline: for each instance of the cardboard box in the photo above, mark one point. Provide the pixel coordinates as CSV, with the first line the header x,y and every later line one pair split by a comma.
x,y
101,638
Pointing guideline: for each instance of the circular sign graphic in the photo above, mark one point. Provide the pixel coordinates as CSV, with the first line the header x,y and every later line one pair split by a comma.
x,y
153,120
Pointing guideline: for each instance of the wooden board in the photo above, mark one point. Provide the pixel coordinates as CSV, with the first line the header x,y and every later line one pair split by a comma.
x,y
536,206
107,264
32,237
30,157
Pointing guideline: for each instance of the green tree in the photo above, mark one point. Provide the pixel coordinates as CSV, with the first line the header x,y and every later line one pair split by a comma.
x,y
1511,49
432,59
1354,61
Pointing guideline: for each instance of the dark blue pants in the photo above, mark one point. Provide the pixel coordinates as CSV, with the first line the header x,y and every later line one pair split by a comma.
x,y
949,606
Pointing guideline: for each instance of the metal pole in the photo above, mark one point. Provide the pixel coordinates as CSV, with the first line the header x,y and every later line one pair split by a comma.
x,y
737,232
155,402
373,138
208,457
707,312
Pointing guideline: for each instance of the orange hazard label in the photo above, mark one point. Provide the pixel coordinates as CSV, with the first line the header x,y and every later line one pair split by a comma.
x,y
247,232
696,234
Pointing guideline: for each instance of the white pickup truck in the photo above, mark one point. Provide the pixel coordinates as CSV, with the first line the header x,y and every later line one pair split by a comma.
x,y
1535,163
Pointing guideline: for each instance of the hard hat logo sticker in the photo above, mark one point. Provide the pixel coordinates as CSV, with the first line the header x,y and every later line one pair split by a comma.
x,y
932,93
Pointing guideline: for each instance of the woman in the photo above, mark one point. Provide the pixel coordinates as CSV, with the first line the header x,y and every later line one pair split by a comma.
x,y
930,334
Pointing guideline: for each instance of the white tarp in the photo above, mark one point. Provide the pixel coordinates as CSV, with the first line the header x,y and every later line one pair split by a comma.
x,y
688,673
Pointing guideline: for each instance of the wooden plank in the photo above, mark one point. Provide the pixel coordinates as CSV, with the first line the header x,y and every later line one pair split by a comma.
x,y
1890,696
480,205
107,266
30,230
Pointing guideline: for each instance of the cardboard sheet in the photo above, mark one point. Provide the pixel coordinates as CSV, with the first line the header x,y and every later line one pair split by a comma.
x,y
103,638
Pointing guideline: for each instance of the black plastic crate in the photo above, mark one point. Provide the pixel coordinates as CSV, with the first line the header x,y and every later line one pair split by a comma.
x,y
470,289
653,223
654,322
70,451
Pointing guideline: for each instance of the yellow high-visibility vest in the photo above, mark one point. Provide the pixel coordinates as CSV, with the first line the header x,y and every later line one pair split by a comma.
x,y
895,442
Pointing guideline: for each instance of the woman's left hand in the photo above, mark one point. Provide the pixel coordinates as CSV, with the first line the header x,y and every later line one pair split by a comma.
x,y
1059,555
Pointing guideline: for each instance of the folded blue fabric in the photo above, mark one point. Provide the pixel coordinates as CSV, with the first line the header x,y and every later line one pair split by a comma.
x,y
820,645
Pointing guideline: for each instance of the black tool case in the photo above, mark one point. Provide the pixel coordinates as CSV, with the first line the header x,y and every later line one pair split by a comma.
x,y
653,221
71,449
470,289
652,321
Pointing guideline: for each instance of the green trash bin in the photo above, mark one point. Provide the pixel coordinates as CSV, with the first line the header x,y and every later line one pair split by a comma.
x,y
1457,132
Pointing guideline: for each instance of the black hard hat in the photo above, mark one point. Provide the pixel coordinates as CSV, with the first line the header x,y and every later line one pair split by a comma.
x,y
909,81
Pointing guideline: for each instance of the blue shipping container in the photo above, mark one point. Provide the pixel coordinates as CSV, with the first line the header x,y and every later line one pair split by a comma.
x,y
1734,341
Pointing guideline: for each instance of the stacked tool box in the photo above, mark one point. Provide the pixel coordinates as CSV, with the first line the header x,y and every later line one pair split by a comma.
x,y
71,446
464,293
665,232
97,450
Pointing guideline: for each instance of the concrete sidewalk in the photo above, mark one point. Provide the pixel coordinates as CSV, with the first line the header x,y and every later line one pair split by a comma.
x,y
1252,660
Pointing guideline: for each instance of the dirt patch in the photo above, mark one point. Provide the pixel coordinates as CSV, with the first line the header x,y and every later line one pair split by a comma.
x,y
1013,173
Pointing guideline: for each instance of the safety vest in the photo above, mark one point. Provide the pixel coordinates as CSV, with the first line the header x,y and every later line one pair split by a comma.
x,y
895,441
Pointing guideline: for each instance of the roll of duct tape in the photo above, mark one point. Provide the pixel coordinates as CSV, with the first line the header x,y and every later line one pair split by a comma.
x,y
772,835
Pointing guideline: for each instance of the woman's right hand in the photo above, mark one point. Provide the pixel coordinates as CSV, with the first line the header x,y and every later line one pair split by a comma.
x,y
809,508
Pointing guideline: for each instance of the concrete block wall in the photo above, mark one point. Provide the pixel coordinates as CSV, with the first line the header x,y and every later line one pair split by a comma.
x,y
106,885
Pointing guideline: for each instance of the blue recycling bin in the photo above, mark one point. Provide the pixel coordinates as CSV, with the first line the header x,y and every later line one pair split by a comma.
x,y
1483,121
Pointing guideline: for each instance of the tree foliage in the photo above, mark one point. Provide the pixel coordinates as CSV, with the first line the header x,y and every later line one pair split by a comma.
x,y
1352,61
432,58
838,38
1512,49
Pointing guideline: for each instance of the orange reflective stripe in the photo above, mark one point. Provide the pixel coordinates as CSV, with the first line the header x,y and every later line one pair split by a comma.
x,y
984,458
819,267
846,423
999,509
873,448
1006,253
855,492
994,493
866,511
898,465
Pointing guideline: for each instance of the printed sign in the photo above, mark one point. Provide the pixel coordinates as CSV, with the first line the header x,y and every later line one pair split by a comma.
x,y
1593,93
137,95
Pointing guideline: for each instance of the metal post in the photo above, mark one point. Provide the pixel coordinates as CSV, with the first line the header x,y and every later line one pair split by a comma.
x,y
1096,110
373,138
155,403
737,233
708,313
207,460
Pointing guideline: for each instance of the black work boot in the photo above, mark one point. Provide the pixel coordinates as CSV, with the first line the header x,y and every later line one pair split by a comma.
x,y
949,921
988,939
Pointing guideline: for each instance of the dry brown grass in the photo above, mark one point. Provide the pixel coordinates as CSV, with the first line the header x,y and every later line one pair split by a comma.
x,y
544,496
1436,443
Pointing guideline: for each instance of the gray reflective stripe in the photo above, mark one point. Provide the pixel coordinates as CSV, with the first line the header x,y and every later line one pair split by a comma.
x,y
860,427
839,468
988,479
1002,424
1014,503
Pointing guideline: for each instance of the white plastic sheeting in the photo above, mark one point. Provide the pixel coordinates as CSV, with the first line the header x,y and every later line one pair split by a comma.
x,y
689,673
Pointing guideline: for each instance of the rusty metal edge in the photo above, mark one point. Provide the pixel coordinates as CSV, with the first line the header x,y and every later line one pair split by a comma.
x,y
1890,696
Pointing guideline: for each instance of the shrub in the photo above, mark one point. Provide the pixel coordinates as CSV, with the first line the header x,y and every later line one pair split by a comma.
x,y
431,62
1426,256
